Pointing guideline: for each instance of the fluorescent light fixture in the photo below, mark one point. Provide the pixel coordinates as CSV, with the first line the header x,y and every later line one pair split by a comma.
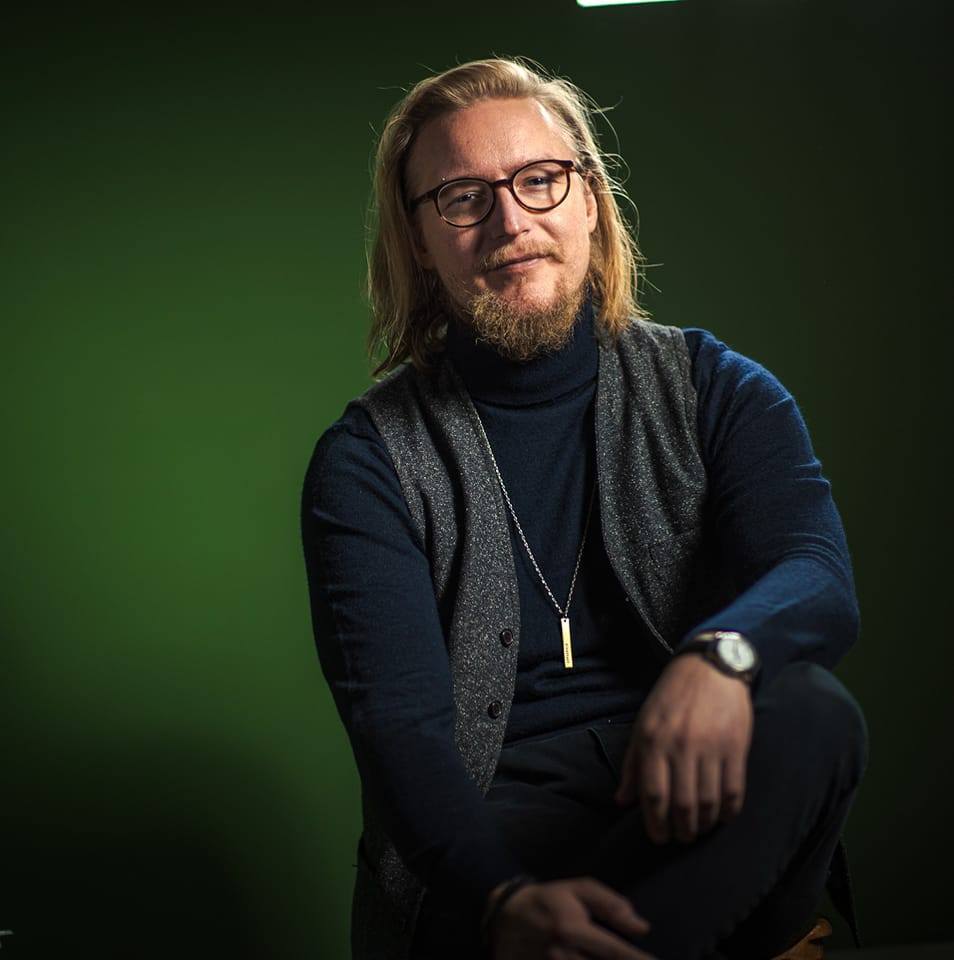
x,y
615,3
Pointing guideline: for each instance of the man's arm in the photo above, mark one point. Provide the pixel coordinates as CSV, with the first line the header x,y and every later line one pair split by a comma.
x,y
779,532
383,654
773,514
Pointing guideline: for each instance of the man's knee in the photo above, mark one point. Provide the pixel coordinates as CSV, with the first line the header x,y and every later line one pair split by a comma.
x,y
807,705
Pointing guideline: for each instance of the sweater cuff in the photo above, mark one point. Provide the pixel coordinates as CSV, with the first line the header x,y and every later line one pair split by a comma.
x,y
466,881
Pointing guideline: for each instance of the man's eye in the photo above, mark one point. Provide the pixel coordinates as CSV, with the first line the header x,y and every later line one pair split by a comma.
x,y
539,183
462,199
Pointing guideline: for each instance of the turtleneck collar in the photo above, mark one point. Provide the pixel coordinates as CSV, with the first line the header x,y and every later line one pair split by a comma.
x,y
493,378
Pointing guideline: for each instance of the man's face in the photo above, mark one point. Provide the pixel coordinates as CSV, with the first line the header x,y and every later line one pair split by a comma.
x,y
521,307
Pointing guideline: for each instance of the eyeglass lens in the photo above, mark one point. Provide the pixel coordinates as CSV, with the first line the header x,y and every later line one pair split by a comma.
x,y
539,186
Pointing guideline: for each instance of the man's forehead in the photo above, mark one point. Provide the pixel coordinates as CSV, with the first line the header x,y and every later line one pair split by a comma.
x,y
489,139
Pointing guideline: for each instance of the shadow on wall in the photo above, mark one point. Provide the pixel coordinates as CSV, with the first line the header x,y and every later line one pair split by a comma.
x,y
118,855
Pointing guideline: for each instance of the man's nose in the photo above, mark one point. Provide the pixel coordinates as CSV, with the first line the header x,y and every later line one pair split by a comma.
x,y
508,218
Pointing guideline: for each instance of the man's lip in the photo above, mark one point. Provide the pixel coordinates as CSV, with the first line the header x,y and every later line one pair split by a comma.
x,y
510,263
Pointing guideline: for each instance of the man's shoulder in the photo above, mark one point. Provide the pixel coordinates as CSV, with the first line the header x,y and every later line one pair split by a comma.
x,y
661,340
362,438
707,349
650,349
402,388
398,379
711,359
348,447
356,432
716,362
641,331
721,376
696,340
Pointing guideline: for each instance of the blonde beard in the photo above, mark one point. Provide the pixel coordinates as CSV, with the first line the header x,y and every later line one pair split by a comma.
x,y
522,333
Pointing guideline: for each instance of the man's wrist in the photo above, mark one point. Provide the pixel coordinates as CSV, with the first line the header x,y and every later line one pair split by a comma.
x,y
496,900
727,651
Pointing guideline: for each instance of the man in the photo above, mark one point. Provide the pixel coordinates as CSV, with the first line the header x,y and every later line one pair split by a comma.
x,y
577,580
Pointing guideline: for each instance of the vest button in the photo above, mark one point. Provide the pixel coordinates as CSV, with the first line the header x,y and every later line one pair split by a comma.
x,y
494,709
506,637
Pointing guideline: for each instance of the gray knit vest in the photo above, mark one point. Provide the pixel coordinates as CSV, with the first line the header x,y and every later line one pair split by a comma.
x,y
652,486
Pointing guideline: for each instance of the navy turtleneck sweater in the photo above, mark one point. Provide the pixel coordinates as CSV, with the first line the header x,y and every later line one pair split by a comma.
x,y
539,419
376,622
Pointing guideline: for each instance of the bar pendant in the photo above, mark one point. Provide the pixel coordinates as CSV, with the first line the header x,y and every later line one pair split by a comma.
x,y
567,648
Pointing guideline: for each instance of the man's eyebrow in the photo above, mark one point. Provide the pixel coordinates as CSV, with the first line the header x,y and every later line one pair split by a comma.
x,y
513,168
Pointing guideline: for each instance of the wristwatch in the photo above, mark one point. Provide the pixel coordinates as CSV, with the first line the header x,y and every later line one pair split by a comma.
x,y
727,650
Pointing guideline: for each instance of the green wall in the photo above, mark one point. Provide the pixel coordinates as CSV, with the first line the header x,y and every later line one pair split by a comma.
x,y
182,223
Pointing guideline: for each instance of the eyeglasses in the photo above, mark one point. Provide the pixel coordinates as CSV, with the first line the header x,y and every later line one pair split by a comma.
x,y
466,201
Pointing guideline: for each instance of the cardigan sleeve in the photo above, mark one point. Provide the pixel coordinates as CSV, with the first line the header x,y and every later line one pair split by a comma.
x,y
382,651
773,513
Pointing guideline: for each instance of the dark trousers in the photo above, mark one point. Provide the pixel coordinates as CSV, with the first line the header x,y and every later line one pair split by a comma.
x,y
744,889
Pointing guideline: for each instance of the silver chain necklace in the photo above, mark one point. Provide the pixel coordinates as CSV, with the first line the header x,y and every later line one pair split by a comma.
x,y
564,612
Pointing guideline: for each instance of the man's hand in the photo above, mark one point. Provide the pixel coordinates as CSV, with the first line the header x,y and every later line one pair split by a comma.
x,y
687,754
555,919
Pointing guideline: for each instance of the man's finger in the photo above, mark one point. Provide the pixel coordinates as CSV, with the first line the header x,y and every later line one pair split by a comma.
x,y
565,953
605,944
610,907
733,786
654,795
710,792
685,797
628,787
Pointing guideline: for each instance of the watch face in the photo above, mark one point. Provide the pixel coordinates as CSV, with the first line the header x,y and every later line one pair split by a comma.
x,y
736,652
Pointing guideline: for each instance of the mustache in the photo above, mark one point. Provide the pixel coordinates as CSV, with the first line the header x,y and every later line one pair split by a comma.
x,y
498,258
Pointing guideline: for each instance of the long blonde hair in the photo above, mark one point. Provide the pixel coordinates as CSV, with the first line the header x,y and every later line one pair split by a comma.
x,y
408,320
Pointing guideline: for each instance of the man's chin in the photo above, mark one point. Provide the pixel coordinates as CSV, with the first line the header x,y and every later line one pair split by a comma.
x,y
521,327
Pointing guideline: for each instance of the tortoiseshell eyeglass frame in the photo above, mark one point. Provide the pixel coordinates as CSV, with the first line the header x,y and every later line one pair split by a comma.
x,y
568,166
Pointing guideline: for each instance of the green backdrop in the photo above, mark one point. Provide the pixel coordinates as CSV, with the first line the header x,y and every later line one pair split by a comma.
x,y
183,203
